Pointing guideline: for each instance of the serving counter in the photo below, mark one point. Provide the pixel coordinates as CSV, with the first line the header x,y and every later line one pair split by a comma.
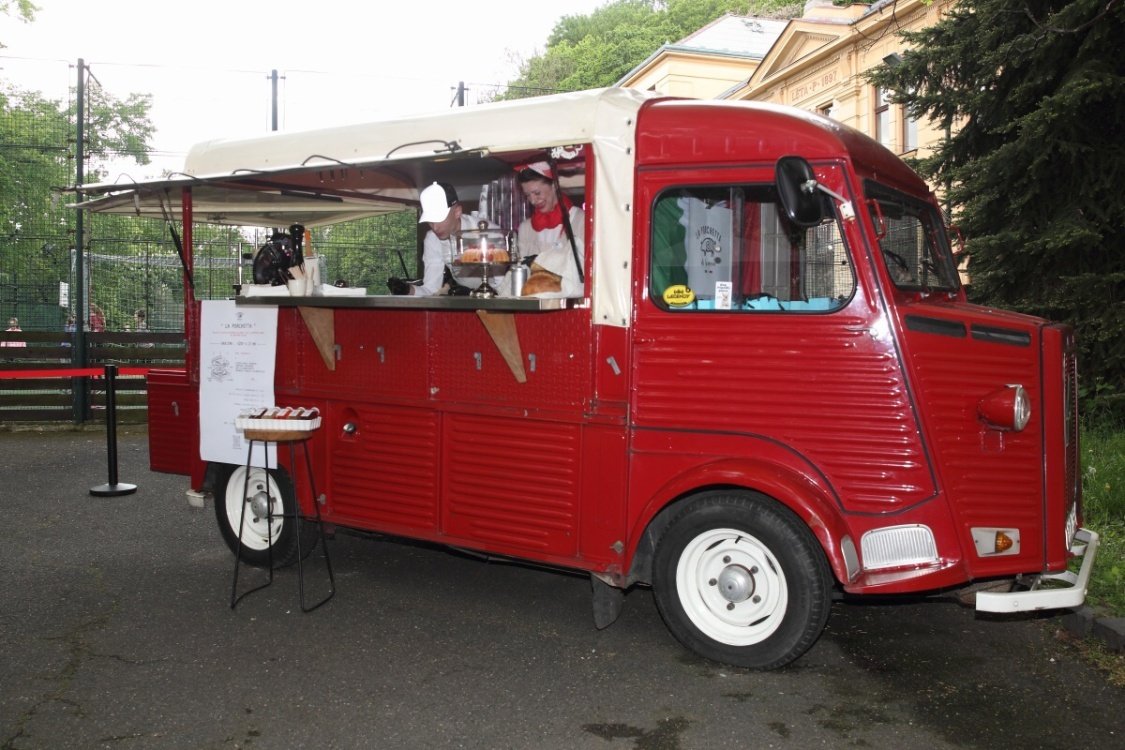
x,y
496,314
495,304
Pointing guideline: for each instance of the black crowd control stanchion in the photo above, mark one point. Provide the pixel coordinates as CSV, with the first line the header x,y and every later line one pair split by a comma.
x,y
112,488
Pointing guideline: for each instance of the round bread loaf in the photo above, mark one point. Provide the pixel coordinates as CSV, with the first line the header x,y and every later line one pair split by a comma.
x,y
541,280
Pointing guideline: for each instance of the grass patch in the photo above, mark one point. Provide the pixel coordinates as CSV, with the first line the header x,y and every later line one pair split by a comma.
x,y
1103,502
1094,653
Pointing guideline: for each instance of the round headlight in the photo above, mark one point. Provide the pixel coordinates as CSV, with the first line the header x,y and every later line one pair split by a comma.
x,y
1006,409
1022,408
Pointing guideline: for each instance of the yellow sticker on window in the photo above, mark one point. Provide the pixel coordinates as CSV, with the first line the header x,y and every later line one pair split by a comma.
x,y
678,295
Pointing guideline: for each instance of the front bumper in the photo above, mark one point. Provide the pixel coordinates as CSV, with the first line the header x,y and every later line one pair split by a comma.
x,y
1050,590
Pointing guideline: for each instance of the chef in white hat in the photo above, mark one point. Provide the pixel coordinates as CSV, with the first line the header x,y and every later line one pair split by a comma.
x,y
442,210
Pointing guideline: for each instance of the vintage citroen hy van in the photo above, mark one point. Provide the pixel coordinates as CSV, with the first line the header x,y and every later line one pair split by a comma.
x,y
771,391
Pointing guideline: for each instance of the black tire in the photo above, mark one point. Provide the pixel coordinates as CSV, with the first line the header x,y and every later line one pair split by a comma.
x,y
229,489
739,579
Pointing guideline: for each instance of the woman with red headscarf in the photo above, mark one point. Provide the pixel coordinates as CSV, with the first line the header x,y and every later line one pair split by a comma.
x,y
543,236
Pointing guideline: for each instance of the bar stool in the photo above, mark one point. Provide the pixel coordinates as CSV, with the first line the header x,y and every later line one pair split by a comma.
x,y
290,438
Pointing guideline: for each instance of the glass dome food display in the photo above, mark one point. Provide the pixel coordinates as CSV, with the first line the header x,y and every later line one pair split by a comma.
x,y
488,251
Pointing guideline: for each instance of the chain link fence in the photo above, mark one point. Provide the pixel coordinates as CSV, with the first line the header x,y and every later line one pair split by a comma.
x,y
131,265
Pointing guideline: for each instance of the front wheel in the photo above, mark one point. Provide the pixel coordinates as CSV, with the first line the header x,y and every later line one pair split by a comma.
x,y
739,579
238,501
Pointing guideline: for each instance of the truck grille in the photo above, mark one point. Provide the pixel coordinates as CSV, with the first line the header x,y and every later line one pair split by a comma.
x,y
1070,439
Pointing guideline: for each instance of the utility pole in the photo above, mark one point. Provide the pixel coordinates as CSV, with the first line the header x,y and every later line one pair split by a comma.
x,y
273,99
460,93
78,348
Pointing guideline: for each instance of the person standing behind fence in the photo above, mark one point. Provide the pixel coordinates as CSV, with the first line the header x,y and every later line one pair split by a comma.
x,y
68,328
97,319
13,325
140,325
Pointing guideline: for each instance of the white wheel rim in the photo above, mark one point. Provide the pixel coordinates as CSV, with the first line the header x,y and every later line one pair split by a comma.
x,y
256,534
731,587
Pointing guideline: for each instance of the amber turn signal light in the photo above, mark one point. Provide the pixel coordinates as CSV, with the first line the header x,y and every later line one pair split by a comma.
x,y
1003,542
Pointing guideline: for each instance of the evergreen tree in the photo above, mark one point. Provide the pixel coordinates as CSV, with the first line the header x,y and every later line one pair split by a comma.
x,y
1033,95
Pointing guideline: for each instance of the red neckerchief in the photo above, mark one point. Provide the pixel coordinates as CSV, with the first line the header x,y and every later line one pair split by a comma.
x,y
550,219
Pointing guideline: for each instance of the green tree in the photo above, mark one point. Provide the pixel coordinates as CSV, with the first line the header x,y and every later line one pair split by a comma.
x,y
36,157
1032,94
34,245
115,129
369,251
25,10
589,51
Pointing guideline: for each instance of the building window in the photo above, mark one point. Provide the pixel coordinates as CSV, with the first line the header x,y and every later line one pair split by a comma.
x,y
883,117
909,132
825,109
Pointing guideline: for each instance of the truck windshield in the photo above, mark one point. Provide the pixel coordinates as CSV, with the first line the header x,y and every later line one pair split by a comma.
x,y
912,239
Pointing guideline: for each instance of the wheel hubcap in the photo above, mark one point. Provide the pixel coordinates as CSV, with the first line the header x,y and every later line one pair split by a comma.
x,y
731,587
736,583
248,508
259,505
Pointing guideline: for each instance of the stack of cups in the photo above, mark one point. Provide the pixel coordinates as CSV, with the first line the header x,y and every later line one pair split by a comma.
x,y
297,287
313,268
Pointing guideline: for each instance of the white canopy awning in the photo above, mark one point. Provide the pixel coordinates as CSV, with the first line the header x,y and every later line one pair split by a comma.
x,y
330,175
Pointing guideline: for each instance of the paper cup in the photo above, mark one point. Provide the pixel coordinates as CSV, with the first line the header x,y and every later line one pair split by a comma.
x,y
296,287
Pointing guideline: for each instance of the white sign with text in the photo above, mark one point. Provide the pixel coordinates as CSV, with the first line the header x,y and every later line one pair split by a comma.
x,y
237,348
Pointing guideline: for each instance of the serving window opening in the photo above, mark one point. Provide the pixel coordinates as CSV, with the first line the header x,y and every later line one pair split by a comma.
x,y
730,248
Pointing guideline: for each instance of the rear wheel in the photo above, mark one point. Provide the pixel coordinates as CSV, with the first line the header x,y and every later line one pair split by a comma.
x,y
238,501
741,580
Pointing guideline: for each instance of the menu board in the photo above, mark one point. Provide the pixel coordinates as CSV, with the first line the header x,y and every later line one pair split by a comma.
x,y
237,347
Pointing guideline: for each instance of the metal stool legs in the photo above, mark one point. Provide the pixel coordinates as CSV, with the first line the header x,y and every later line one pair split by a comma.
x,y
297,518
320,533
234,596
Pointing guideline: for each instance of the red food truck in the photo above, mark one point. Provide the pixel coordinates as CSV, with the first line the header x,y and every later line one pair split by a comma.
x,y
770,392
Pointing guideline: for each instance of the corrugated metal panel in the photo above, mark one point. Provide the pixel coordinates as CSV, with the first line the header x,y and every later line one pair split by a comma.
x,y
827,386
512,483
173,413
990,477
381,353
386,475
556,349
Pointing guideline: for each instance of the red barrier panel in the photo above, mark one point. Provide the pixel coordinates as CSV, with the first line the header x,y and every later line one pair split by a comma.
x,y
71,372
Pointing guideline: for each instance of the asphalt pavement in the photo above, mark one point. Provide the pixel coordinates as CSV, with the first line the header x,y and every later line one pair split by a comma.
x,y
116,632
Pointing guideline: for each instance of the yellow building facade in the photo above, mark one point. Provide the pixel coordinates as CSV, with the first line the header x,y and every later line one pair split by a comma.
x,y
709,62
815,62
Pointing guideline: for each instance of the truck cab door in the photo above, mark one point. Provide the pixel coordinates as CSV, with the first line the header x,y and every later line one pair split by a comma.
x,y
755,336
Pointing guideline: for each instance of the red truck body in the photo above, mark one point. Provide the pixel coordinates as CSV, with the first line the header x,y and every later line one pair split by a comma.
x,y
876,413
